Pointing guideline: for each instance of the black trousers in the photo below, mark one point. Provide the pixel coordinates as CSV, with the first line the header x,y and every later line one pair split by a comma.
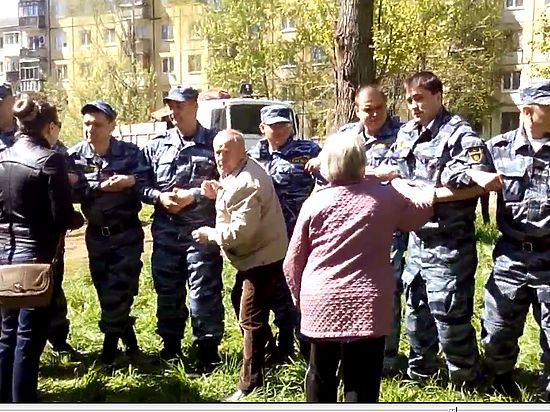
x,y
361,362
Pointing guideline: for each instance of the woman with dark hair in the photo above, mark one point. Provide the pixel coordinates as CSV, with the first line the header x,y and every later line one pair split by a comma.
x,y
35,211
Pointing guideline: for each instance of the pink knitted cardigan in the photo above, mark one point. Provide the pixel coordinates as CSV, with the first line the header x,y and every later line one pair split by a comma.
x,y
338,262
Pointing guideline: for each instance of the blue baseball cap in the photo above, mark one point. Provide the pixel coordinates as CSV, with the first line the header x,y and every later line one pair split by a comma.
x,y
99,105
537,91
5,90
182,94
275,114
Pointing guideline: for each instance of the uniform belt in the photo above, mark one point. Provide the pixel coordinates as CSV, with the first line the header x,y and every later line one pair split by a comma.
x,y
531,245
115,229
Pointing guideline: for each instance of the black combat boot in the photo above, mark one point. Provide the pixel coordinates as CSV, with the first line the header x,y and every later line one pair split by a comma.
x,y
171,349
129,340
506,385
65,348
110,348
285,343
208,356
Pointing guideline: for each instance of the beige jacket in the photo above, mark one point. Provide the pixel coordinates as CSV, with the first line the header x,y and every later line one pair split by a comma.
x,y
250,227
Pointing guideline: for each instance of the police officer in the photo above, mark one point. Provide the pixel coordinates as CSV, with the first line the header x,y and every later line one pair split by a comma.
x,y
7,121
108,189
521,273
284,157
380,131
437,149
178,161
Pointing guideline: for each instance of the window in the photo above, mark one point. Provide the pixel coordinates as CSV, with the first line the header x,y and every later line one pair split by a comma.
x,y
1,67
85,37
85,69
61,72
59,8
194,63
140,31
510,81
287,24
29,73
509,121
110,36
1,42
517,40
11,38
318,55
35,42
12,65
167,64
166,32
547,3
216,4
31,9
60,41
513,4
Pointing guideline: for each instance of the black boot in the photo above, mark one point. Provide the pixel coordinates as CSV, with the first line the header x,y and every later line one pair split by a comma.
x,y
129,340
171,349
285,343
208,356
506,385
65,348
110,348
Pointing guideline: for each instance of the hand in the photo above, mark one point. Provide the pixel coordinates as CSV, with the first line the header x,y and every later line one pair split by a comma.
x,y
117,183
204,234
385,172
488,181
73,179
312,165
183,197
168,201
210,188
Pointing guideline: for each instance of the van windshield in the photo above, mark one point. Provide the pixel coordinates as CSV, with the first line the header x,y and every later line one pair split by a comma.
x,y
246,118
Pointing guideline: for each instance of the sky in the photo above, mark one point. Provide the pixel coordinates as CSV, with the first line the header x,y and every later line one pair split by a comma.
x,y
9,17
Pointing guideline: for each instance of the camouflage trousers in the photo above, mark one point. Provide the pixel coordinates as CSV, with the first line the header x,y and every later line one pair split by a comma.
x,y
179,262
399,246
115,266
439,290
519,280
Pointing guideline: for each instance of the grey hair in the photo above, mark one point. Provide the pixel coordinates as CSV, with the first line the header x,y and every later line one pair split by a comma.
x,y
231,135
343,158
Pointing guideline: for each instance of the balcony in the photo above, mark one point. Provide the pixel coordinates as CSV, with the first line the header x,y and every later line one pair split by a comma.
x,y
12,76
33,85
35,22
135,10
41,53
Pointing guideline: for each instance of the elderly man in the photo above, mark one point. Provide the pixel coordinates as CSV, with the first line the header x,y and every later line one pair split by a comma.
x,y
284,158
109,174
521,271
178,162
251,231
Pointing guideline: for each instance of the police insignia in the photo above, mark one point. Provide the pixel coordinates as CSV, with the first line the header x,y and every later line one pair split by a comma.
x,y
299,160
379,146
475,153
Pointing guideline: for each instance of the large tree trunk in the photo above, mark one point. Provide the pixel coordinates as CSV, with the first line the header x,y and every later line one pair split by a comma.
x,y
354,54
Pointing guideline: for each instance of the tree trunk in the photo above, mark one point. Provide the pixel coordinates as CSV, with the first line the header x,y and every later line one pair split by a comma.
x,y
354,54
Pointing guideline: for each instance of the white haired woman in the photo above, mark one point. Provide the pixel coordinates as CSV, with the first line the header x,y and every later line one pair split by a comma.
x,y
338,270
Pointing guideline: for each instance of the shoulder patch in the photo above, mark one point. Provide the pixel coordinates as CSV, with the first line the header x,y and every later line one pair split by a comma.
x,y
475,153
299,160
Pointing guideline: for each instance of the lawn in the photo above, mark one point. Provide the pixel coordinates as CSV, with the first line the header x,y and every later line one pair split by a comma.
x,y
145,379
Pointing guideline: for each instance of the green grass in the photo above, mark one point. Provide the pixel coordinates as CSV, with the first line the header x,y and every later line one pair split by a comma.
x,y
147,380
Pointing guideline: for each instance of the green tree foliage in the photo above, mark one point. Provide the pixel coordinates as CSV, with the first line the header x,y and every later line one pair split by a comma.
x,y
541,44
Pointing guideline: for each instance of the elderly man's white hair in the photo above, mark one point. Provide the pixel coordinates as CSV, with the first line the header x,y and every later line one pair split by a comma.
x,y
343,158
230,135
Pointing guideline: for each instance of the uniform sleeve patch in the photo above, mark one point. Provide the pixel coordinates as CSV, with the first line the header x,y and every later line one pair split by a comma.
x,y
299,160
475,153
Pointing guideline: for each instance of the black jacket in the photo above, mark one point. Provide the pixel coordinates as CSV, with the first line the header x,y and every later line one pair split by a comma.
x,y
35,201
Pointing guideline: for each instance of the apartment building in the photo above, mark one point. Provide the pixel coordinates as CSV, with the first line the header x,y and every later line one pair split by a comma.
x,y
522,17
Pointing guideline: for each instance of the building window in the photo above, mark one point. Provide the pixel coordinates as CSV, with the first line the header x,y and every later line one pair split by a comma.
x,y
59,8
195,31
547,3
61,72
11,38
509,121
12,66
1,42
1,67
85,37
287,24
31,9
140,32
35,42
510,81
166,32
318,56
60,41
513,4
167,64
29,73
194,63
84,69
517,39
110,36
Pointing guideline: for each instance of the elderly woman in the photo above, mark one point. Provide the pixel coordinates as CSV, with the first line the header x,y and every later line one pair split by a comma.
x,y
35,211
339,273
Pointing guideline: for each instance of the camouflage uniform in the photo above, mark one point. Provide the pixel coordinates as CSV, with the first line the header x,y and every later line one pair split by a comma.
x,y
114,236
376,148
521,271
441,263
7,139
177,260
